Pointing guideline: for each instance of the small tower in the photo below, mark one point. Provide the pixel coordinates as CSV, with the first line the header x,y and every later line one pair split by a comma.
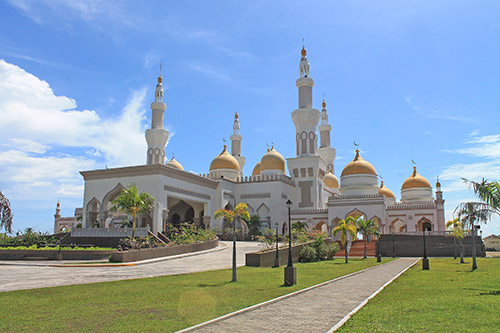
x,y
236,143
156,136
440,206
325,151
57,215
305,117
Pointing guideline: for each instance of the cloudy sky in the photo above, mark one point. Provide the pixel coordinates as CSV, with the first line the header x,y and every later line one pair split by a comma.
x,y
405,79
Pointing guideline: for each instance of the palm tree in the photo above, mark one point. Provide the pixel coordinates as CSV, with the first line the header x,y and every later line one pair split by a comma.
x,y
131,202
240,214
488,192
346,227
458,233
367,228
5,214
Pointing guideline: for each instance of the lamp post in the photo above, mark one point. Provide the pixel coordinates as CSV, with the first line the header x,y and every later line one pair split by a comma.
x,y
290,271
277,259
425,260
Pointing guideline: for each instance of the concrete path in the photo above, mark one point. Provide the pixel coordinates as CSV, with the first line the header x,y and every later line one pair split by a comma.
x,y
315,309
29,275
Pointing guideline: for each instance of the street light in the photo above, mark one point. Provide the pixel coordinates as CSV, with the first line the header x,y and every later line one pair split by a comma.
x,y
277,259
425,260
290,271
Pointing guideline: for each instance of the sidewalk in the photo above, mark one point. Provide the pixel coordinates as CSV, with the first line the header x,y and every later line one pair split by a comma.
x,y
320,308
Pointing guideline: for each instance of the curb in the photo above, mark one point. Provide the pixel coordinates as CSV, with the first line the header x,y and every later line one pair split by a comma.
x,y
188,329
356,309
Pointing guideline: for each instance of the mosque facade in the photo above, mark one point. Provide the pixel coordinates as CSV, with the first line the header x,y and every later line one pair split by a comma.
x,y
319,199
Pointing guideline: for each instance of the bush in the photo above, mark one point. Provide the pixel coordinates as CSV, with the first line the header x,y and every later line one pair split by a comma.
x,y
308,254
138,243
27,238
318,250
189,234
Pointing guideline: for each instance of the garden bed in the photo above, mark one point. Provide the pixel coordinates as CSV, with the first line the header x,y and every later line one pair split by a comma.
x,y
266,258
143,254
53,254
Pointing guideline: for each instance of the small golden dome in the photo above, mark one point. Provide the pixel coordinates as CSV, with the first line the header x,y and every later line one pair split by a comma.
x,y
224,161
331,180
272,160
324,104
358,166
385,191
160,80
256,170
303,51
174,164
415,180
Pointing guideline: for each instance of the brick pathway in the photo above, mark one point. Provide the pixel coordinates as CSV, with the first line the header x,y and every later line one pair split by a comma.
x,y
317,309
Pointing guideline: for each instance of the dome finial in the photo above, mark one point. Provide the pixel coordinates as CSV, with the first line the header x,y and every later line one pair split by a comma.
x,y
236,115
303,48
324,104
160,80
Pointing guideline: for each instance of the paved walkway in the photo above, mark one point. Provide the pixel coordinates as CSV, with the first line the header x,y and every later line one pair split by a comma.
x,y
317,309
16,275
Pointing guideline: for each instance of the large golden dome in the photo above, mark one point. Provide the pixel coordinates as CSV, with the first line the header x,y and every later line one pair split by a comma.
x,y
224,161
385,191
331,180
174,164
272,160
358,166
256,170
415,180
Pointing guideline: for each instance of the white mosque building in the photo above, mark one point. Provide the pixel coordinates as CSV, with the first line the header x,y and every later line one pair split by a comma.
x,y
319,199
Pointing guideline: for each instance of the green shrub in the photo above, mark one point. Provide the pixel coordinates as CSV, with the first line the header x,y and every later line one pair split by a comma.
x,y
189,234
64,248
308,254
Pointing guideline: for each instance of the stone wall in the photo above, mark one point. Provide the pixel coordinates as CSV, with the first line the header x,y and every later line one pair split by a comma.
x,y
52,254
437,246
266,258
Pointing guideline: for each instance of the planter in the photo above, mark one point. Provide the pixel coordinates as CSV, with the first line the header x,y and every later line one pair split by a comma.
x,y
53,254
143,254
266,258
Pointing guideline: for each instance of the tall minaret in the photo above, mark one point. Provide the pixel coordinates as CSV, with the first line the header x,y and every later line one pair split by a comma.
x,y
156,136
236,142
440,207
325,151
305,117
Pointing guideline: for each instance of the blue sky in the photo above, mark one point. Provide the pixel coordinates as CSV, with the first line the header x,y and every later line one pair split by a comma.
x,y
405,79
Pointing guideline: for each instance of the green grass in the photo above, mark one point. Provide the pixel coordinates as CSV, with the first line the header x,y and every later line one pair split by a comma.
x,y
165,303
448,298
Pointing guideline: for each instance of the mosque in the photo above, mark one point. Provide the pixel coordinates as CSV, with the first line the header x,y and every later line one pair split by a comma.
x,y
319,199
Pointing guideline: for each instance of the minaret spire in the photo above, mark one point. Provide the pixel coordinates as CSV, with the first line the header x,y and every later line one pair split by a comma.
x,y
236,142
156,136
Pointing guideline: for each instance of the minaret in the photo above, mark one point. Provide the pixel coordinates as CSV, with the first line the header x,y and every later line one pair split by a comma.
x,y
236,143
325,151
440,206
156,136
57,215
305,117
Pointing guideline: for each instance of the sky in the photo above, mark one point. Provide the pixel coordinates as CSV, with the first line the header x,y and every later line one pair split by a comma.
x,y
406,80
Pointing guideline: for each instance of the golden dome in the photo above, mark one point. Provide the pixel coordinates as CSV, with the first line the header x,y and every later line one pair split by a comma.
x,y
256,170
358,166
303,51
174,164
272,160
224,161
331,180
385,191
324,104
415,180
160,80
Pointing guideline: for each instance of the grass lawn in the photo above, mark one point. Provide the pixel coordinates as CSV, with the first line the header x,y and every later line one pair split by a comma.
x,y
447,298
166,303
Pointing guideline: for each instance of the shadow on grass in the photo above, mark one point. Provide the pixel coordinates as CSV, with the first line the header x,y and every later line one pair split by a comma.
x,y
494,292
220,284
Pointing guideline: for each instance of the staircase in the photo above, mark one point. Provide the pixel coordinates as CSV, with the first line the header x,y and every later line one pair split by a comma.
x,y
358,249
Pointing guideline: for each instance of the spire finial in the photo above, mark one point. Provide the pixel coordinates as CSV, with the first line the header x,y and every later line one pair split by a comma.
x,y
324,103
236,115
160,80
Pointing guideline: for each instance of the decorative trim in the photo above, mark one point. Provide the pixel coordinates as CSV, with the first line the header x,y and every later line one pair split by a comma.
x,y
186,192
255,195
228,195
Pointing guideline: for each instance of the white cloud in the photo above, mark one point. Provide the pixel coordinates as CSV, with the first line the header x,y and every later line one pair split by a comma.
x,y
436,114
209,72
36,126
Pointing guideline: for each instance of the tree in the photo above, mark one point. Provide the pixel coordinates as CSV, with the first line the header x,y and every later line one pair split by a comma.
x,y
488,192
254,226
346,227
367,228
131,202
5,213
240,214
458,232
